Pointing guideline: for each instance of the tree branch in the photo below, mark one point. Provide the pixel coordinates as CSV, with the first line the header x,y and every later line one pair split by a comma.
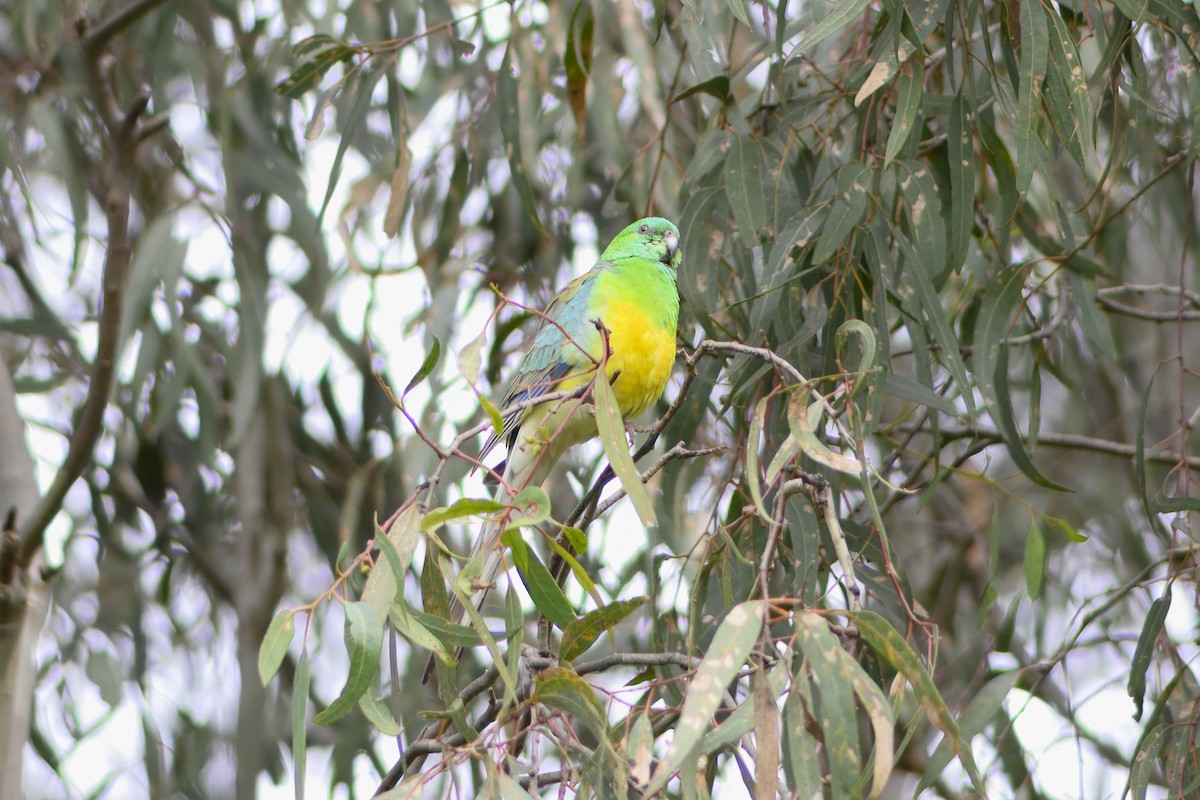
x,y
96,39
122,135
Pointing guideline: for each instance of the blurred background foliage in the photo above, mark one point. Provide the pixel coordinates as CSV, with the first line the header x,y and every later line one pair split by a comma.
x,y
939,278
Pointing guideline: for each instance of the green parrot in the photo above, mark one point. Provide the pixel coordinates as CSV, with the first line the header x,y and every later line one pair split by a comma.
x,y
631,293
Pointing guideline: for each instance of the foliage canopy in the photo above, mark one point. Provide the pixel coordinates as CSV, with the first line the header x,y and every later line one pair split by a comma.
x,y
924,483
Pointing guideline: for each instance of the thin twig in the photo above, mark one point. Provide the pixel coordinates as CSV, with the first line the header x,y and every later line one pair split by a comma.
x,y
637,660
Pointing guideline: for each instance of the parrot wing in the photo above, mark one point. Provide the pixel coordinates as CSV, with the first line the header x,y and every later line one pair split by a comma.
x,y
555,353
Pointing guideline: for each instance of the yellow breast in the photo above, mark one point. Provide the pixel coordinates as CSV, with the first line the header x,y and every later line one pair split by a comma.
x,y
642,352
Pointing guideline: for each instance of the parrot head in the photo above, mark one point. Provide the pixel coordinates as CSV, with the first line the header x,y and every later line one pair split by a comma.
x,y
652,237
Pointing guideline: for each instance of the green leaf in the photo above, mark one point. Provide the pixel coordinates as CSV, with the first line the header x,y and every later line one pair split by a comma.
x,y
385,584
1067,528
906,388
531,507
757,420
1139,449
726,654
697,288
543,589
576,537
360,90
275,644
848,209
463,507
1035,559
1095,324
837,719
638,749
309,75
1143,654
509,788
744,187
158,260
978,714
1035,50
379,715
451,634
1141,772
739,11
878,633
923,207
804,421
577,58
842,15
411,788
960,158
990,357
510,128
300,686
928,303
411,629
742,719
910,89
470,360
581,633
1069,67
585,580
427,366
493,414
801,750
717,86
1134,9
562,689
612,437
710,153
799,234
364,641
507,675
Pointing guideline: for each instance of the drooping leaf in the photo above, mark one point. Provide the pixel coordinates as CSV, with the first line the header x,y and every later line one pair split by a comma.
x,y
612,437
364,642
890,645
842,15
543,589
717,86
847,210
275,644
990,357
909,90
300,685
960,157
427,366
1035,559
1147,642
561,688
726,655
837,718
577,59
510,128
581,633
1035,51
744,184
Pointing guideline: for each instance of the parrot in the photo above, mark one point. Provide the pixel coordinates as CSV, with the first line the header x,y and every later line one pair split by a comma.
x,y
631,293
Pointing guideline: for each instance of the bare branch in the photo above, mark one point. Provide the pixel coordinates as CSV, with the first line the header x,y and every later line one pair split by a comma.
x,y
95,40
122,138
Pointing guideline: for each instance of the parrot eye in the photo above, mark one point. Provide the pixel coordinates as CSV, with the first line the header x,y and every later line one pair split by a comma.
x,y
644,229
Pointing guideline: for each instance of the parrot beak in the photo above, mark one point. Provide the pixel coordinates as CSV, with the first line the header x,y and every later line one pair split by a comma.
x,y
671,241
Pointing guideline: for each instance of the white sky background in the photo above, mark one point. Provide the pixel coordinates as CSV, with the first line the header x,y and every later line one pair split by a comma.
x,y
1064,767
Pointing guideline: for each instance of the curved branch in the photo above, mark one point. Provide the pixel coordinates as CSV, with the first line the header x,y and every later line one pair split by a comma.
x,y
123,134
